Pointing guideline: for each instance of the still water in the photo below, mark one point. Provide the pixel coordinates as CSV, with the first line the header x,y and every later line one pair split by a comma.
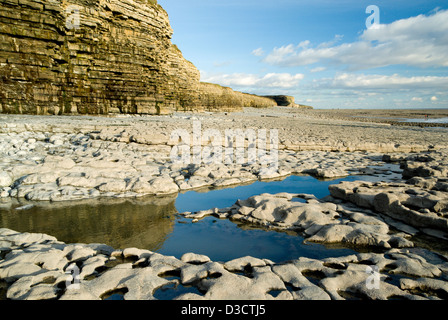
x,y
154,223
429,120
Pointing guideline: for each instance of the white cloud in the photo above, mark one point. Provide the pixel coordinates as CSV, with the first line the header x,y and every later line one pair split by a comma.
x,y
291,56
242,80
417,41
434,98
318,69
418,99
392,82
258,52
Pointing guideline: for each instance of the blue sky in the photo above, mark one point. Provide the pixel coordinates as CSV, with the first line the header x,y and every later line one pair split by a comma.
x,y
328,54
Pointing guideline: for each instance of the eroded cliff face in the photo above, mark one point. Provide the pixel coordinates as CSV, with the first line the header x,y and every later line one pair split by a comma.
x,y
98,57
288,101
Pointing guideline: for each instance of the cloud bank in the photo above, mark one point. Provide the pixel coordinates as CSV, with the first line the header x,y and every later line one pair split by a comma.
x,y
420,41
252,81
386,82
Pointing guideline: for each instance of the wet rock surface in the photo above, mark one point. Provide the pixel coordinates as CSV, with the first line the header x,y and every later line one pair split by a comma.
x,y
37,266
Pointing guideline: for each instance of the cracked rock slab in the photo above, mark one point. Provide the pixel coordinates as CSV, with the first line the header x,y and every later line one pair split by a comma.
x,y
48,271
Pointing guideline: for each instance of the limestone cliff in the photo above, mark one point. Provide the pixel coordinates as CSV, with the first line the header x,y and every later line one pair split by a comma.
x,y
99,57
288,101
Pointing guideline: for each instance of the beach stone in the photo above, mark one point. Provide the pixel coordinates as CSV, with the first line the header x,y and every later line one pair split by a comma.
x,y
5,192
19,263
203,171
19,270
240,263
164,185
427,183
33,288
192,273
417,169
331,233
66,193
441,186
357,234
142,186
328,172
136,253
424,284
57,162
314,293
290,274
77,252
90,265
245,211
101,248
79,180
113,186
140,283
355,280
234,286
226,182
40,178
5,179
268,173
170,261
153,138
79,294
198,182
411,264
441,207
308,215
194,258
27,239
268,207
199,214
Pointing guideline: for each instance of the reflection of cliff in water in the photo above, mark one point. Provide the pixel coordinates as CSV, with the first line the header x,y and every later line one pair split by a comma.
x,y
121,223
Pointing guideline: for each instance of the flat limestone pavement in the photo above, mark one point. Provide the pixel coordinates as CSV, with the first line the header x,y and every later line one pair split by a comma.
x,y
39,267
58,159
78,158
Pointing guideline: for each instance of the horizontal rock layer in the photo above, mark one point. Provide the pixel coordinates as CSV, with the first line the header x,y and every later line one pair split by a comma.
x,y
99,57
287,101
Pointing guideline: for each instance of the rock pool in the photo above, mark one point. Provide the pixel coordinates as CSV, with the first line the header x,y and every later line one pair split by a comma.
x,y
154,223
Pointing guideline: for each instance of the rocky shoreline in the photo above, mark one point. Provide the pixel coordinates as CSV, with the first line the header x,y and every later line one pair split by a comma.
x,y
72,158
37,266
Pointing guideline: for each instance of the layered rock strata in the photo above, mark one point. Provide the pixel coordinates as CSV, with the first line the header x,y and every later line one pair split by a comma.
x,y
287,101
99,57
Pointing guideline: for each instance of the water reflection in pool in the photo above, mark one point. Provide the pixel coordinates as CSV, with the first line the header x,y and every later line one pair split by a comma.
x,y
120,223
153,224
